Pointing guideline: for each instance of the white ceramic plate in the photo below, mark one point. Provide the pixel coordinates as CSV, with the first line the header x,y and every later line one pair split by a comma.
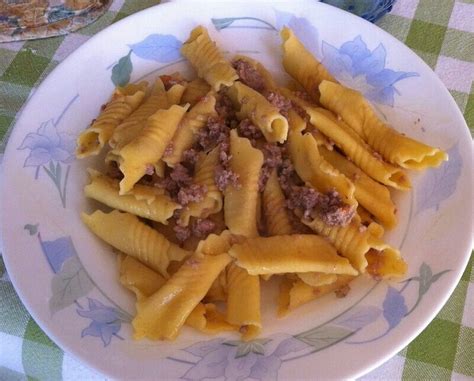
x,y
68,279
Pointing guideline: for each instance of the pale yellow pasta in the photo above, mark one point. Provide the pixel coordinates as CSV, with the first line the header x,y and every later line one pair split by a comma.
x,y
394,147
138,278
208,61
218,290
353,242
195,90
294,293
302,65
162,315
274,208
127,234
185,136
204,176
160,167
144,201
254,106
385,264
372,195
314,170
123,102
216,243
148,147
240,202
243,302
132,125
315,279
289,254
206,318
357,150
365,218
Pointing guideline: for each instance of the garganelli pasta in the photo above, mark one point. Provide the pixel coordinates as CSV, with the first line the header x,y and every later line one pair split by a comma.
x,y
219,181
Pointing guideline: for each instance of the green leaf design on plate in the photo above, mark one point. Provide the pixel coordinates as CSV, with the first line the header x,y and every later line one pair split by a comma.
x,y
122,70
324,336
32,229
69,284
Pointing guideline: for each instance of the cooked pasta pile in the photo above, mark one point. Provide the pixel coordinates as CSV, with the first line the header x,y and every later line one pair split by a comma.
x,y
220,182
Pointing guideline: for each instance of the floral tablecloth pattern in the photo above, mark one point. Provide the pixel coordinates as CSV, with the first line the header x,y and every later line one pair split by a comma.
x,y
441,32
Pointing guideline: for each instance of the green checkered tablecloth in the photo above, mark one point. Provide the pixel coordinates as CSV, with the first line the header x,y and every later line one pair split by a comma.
x,y
441,32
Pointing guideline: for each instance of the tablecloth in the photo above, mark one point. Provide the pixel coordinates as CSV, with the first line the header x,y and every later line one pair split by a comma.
x,y
441,32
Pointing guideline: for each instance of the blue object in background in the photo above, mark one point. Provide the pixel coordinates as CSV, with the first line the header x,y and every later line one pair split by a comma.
x,y
370,10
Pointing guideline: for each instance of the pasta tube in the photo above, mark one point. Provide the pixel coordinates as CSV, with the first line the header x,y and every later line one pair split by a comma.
x,y
162,315
392,145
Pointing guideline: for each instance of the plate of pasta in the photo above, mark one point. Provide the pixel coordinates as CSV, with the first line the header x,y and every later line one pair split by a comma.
x,y
252,192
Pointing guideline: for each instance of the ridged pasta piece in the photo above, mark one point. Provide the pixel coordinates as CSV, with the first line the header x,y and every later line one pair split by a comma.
x,y
216,244
314,170
218,290
315,279
195,90
385,264
357,150
365,218
148,147
206,318
204,175
268,82
138,278
294,293
123,102
289,254
185,136
372,195
133,125
263,114
392,145
301,65
353,241
208,61
243,302
162,315
144,201
126,233
274,208
240,203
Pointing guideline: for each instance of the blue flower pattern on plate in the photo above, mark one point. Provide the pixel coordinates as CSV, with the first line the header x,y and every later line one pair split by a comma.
x,y
50,150
105,321
363,70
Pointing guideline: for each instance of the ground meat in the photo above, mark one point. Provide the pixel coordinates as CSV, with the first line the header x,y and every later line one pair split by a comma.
x,y
224,106
190,157
288,176
113,171
191,193
149,169
272,154
215,132
342,291
225,177
303,198
333,211
203,227
377,156
329,207
248,130
249,75
303,95
182,232
181,175
168,150
280,102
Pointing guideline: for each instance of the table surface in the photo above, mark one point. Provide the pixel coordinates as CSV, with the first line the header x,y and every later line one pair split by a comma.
x,y
441,32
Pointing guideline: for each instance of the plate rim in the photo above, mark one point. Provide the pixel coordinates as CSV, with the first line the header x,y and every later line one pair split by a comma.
x,y
419,325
